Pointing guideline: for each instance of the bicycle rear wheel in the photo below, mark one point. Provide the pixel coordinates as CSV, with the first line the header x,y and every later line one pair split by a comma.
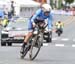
x,y
35,48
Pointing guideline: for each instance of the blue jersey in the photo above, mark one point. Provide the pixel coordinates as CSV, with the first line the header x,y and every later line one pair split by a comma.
x,y
2,14
40,14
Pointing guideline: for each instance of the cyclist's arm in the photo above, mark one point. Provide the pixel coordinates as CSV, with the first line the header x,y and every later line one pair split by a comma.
x,y
50,20
1,14
35,15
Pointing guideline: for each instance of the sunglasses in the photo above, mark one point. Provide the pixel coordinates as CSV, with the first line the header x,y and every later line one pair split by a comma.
x,y
47,12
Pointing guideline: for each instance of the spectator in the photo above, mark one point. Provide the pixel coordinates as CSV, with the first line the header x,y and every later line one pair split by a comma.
x,y
5,21
9,15
12,8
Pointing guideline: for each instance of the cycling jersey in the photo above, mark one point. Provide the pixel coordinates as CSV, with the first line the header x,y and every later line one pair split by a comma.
x,y
40,14
1,14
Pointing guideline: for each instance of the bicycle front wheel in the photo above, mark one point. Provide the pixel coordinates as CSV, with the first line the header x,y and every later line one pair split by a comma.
x,y
35,48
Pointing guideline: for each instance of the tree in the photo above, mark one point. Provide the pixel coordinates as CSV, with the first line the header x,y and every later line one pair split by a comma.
x,y
69,1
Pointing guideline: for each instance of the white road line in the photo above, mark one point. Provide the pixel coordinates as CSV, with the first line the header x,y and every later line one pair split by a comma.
x,y
73,45
45,44
74,40
65,39
54,38
59,45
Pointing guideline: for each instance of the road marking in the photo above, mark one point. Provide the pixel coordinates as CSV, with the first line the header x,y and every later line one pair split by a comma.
x,y
74,40
54,38
65,39
62,45
45,44
62,39
59,45
70,19
73,45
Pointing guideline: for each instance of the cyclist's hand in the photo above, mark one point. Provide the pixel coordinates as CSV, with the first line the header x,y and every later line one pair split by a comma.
x,y
34,25
49,30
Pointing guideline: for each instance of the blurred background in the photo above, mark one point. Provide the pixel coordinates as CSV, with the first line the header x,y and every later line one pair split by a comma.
x,y
26,8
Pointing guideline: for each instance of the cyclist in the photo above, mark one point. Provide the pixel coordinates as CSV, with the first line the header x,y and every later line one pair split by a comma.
x,y
59,26
41,14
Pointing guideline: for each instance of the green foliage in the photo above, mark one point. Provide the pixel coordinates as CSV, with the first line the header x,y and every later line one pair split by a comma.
x,y
69,1
59,3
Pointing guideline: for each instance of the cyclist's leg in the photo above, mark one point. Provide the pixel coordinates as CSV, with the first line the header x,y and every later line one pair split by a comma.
x,y
30,32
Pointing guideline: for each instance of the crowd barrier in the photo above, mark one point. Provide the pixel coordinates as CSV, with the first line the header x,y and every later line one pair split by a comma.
x,y
63,12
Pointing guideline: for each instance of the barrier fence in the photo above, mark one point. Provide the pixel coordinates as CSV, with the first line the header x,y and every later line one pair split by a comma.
x,y
62,12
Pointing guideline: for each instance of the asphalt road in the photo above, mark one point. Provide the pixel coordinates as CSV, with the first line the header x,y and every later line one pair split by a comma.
x,y
60,51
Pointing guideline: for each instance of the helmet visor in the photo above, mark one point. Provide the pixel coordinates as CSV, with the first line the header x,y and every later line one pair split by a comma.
x,y
47,12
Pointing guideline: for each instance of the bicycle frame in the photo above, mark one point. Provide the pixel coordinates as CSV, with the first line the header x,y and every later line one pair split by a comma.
x,y
37,39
